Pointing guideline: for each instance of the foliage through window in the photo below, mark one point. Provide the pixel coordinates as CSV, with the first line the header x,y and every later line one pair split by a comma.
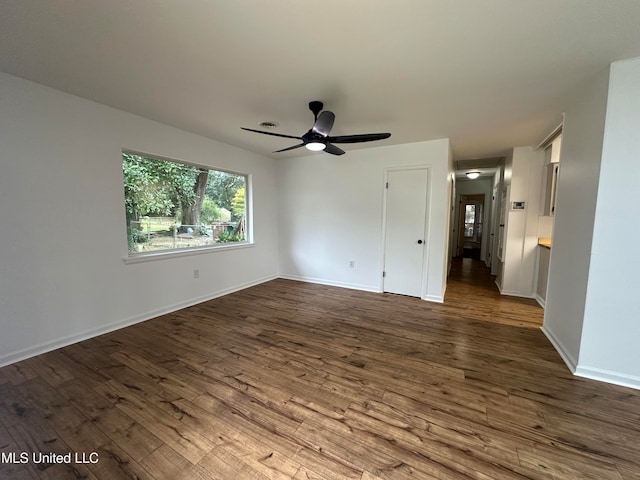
x,y
172,205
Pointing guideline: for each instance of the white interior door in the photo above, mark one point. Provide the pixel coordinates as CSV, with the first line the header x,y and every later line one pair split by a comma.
x,y
404,239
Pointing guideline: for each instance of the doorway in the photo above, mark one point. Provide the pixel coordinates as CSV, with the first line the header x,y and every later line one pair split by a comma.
x,y
470,226
405,231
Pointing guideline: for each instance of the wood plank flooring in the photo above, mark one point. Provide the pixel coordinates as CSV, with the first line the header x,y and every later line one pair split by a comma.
x,y
472,294
289,380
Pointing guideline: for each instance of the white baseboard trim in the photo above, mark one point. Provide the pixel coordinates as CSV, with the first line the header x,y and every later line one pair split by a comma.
x,y
438,298
14,357
591,373
608,376
352,286
540,301
434,298
330,283
513,293
562,351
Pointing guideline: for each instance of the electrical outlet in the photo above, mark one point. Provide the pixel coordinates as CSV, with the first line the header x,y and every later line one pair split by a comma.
x,y
196,273
352,263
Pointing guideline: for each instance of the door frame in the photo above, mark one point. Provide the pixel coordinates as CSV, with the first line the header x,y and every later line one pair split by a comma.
x,y
425,260
463,199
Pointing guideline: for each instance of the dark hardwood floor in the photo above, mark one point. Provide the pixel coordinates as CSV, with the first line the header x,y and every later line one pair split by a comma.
x,y
472,294
289,380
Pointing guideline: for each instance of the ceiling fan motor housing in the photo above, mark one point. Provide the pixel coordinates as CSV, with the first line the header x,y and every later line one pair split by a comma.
x,y
316,107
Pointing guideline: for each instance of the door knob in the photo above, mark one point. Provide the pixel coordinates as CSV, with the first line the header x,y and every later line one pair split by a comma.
x,y
419,242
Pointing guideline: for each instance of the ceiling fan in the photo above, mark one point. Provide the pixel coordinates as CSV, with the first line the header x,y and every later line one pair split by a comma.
x,y
318,138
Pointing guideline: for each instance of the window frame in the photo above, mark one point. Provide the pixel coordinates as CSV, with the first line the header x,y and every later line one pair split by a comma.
x,y
153,255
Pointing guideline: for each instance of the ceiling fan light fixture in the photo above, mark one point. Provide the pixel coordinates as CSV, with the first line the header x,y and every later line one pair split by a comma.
x,y
472,175
315,146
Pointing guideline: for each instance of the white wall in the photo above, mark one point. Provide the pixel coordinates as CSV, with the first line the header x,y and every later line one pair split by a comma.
x,y
609,348
577,191
523,177
332,212
63,221
545,226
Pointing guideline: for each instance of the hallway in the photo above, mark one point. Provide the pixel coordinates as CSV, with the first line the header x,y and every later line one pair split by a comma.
x,y
471,289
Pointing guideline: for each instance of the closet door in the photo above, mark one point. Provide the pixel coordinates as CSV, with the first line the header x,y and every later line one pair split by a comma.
x,y
405,225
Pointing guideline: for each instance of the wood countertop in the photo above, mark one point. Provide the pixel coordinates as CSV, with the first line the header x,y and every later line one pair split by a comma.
x,y
544,242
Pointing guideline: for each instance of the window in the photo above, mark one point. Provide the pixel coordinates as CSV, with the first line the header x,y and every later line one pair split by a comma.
x,y
174,206
469,220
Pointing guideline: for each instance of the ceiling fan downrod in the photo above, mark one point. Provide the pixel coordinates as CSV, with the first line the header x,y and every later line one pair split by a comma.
x,y
316,107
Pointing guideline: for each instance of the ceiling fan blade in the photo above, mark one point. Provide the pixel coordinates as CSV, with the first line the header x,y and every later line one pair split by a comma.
x,y
289,148
271,133
333,150
365,137
324,123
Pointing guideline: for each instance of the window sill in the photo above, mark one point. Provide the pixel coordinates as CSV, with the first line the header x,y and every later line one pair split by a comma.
x,y
187,252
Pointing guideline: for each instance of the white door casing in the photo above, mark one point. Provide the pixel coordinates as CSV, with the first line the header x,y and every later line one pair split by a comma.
x,y
405,230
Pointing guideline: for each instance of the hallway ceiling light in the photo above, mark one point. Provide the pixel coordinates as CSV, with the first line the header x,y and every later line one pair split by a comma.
x,y
473,175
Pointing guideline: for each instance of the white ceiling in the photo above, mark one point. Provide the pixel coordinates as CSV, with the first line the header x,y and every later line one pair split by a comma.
x,y
488,74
